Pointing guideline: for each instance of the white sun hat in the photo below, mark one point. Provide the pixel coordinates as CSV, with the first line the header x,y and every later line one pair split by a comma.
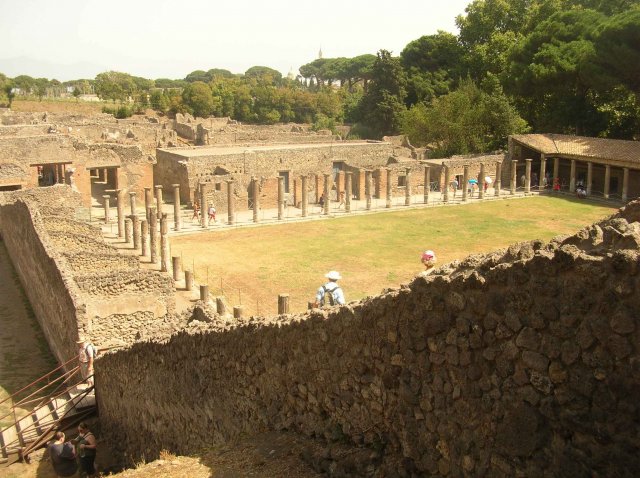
x,y
333,275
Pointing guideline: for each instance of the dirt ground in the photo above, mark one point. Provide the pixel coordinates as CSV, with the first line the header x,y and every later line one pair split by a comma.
x,y
24,353
271,454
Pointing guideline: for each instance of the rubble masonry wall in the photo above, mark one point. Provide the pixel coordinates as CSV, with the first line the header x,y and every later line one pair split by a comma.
x,y
520,362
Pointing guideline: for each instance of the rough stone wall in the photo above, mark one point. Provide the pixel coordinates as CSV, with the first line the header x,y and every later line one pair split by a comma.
x,y
54,299
21,155
76,283
523,362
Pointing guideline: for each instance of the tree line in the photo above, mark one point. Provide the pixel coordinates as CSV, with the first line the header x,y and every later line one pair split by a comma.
x,y
561,66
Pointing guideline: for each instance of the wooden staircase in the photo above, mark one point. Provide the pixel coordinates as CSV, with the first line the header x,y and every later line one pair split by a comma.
x,y
67,401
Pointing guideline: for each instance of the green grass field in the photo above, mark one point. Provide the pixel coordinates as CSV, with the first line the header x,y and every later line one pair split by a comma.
x,y
372,252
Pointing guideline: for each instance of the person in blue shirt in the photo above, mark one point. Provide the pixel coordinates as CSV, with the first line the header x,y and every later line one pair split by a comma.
x,y
331,290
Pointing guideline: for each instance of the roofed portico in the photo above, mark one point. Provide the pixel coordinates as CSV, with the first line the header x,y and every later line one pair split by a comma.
x,y
606,167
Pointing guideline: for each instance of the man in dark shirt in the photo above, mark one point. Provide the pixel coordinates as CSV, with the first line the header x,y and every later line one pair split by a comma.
x,y
63,456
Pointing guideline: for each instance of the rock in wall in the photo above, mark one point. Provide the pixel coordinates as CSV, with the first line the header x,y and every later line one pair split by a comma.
x,y
523,362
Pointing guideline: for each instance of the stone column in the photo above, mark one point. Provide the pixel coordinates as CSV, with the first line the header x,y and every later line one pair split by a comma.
x,y
589,177
144,237
327,199
572,177
204,293
607,180
164,243
280,198
625,184
389,188
256,199
127,231
305,196
106,176
481,176
107,212
148,201
445,191
347,190
317,187
177,267
237,311
132,202
159,201
135,222
407,190
230,208
465,182
153,234
367,189
514,176
497,184
204,207
177,218
283,303
120,211
188,280
427,183
543,171
527,174
556,168
221,309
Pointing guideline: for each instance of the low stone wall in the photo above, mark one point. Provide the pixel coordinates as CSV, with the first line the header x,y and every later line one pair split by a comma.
x,y
82,262
523,362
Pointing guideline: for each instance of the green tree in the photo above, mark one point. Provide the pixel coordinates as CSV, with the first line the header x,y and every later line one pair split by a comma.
x,y
467,120
40,87
76,92
198,99
551,73
264,74
382,105
115,86
433,64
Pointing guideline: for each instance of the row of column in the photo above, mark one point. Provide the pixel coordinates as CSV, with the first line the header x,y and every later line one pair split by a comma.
x,y
572,176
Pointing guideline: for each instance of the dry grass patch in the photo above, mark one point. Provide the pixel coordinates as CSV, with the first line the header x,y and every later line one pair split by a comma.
x,y
372,252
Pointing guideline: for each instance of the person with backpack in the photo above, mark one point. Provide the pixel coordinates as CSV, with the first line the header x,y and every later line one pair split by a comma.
x,y
330,293
86,354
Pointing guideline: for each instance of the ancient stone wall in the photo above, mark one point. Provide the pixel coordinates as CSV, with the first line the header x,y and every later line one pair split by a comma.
x,y
522,362
53,297
75,282
20,156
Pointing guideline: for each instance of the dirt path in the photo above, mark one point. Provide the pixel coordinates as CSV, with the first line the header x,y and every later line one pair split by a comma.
x,y
24,353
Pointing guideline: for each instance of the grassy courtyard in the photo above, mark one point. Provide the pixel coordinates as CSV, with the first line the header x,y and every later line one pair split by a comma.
x,y
372,252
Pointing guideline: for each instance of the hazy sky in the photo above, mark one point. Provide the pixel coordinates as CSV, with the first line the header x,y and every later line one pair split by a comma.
x,y
69,39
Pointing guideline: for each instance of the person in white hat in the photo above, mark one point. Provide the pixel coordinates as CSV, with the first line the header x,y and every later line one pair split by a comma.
x,y
330,292
86,354
429,260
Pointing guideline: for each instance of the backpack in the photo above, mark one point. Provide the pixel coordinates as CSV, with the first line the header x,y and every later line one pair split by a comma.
x,y
327,296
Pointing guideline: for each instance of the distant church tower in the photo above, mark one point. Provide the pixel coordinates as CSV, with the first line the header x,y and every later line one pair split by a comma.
x,y
320,54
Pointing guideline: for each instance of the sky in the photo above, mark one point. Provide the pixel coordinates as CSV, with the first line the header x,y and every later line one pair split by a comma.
x,y
72,39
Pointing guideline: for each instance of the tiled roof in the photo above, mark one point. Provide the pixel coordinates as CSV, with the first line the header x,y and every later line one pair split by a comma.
x,y
565,145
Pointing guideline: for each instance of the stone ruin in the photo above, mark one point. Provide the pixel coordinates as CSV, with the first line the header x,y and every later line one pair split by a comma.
x,y
520,362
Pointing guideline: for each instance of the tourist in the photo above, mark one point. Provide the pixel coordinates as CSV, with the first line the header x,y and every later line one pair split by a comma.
x,y
330,292
196,211
212,213
63,456
86,447
429,260
454,186
556,185
86,355
534,180
341,199
321,200
523,180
